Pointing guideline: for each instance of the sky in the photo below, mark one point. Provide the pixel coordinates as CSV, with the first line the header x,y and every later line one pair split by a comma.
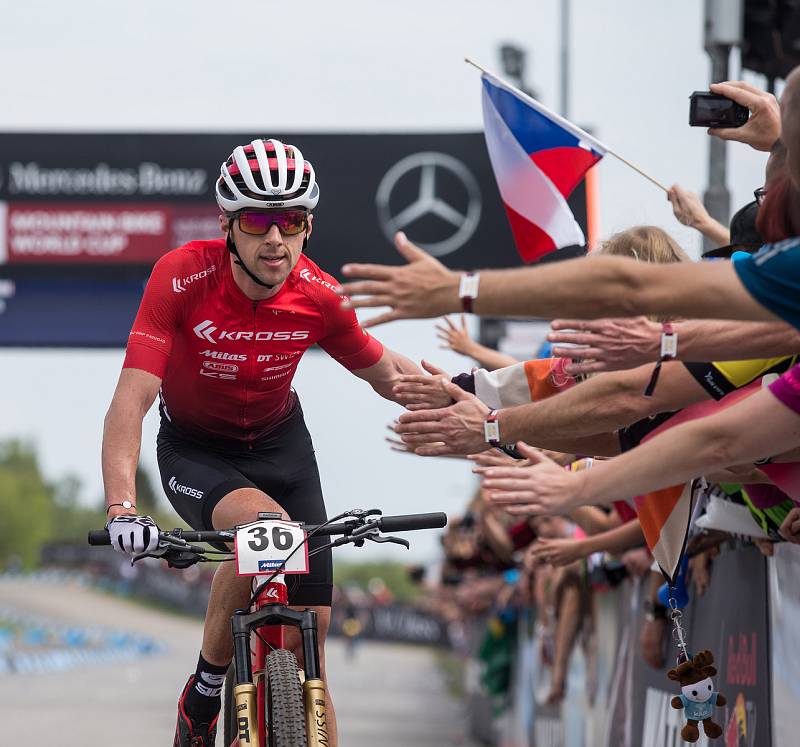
x,y
355,66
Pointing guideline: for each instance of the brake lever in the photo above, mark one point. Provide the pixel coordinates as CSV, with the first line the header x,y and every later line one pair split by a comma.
x,y
394,540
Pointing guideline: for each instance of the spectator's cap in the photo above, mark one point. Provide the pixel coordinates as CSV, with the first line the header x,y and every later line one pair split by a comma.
x,y
744,236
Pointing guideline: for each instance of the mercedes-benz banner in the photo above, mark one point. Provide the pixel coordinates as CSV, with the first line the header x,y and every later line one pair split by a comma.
x,y
83,217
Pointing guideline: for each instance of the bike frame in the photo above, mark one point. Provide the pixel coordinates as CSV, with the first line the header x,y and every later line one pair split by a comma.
x,y
269,614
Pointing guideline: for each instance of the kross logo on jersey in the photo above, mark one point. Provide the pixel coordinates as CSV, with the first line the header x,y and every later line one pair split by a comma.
x,y
179,284
185,489
206,331
309,278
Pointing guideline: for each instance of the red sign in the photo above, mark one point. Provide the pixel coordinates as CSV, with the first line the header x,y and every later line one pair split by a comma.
x,y
97,233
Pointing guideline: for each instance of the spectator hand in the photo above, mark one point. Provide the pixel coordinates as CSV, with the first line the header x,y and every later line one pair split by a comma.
x,y
764,126
790,527
455,338
457,429
651,642
687,207
495,458
543,488
637,561
421,289
609,344
557,552
419,392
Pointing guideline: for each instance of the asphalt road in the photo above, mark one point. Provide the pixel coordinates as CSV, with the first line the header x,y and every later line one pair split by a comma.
x,y
387,694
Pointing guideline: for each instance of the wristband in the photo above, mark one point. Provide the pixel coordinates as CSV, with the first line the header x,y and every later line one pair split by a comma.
x,y
654,610
491,429
468,290
669,342
669,351
124,504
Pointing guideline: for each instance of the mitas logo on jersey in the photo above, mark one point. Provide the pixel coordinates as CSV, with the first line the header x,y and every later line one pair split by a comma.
x,y
220,356
179,284
206,331
185,489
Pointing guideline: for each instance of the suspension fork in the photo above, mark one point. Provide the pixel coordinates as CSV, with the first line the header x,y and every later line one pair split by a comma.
x,y
271,617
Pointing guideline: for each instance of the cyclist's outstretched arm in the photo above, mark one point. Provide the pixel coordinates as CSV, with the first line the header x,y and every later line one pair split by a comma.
x,y
122,436
385,374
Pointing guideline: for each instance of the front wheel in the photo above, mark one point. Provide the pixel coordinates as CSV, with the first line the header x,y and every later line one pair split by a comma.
x,y
284,702
230,729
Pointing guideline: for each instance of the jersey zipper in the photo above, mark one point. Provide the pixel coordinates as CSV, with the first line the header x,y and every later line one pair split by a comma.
x,y
251,358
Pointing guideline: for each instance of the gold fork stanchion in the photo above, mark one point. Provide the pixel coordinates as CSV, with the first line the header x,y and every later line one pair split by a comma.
x,y
316,713
246,718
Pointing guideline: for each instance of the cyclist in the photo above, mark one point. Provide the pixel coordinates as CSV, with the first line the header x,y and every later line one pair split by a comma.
x,y
220,331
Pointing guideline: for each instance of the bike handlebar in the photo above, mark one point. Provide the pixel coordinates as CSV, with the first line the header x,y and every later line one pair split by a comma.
x,y
407,523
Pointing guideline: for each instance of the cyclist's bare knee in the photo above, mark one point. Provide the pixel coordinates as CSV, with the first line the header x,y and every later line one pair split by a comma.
x,y
242,505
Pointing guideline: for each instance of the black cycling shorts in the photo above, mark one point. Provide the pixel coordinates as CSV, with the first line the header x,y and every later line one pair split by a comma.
x,y
197,474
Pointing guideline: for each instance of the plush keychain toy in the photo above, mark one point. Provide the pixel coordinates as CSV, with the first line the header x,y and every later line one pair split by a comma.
x,y
698,696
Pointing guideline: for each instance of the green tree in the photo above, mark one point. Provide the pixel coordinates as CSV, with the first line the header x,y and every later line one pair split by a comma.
x,y
26,504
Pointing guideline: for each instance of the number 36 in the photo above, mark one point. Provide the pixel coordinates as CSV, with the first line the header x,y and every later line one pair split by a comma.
x,y
281,538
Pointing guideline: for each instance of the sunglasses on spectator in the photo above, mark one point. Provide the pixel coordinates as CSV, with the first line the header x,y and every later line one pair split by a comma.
x,y
259,222
760,194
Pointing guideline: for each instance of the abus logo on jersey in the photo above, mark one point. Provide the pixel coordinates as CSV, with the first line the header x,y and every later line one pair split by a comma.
x,y
185,489
220,356
206,330
179,284
224,367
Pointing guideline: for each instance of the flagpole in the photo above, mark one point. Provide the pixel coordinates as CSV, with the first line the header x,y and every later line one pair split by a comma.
x,y
561,119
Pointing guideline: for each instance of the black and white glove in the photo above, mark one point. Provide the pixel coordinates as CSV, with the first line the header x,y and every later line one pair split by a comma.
x,y
133,535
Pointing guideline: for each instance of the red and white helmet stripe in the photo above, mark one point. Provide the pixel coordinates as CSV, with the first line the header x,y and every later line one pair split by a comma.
x,y
266,173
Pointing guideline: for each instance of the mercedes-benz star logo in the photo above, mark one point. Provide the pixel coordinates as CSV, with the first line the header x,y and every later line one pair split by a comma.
x,y
428,201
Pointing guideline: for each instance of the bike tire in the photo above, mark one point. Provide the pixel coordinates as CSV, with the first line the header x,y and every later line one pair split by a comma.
x,y
284,702
230,727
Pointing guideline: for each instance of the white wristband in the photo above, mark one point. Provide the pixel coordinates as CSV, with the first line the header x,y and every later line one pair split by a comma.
x,y
468,289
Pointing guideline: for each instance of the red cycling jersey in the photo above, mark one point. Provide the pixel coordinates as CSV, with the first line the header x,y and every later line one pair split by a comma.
x,y
226,361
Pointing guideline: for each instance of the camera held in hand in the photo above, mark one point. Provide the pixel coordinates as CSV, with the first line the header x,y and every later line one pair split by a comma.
x,y
708,109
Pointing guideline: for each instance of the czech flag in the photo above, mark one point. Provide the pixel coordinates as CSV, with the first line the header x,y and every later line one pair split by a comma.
x,y
538,158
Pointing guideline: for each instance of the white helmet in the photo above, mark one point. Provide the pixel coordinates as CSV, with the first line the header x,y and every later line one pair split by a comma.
x,y
266,173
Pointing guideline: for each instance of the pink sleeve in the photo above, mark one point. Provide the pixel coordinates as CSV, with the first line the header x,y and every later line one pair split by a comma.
x,y
787,389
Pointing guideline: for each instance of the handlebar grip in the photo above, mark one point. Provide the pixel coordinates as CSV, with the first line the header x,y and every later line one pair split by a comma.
x,y
411,522
99,537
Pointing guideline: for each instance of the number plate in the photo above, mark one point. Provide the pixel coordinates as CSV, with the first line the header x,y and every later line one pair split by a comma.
x,y
262,546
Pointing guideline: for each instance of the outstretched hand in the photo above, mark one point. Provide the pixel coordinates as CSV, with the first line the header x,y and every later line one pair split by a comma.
x,y
687,207
557,551
421,289
457,429
764,126
544,488
420,392
454,337
606,344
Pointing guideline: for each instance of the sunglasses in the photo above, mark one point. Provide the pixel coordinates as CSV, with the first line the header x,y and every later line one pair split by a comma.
x,y
258,223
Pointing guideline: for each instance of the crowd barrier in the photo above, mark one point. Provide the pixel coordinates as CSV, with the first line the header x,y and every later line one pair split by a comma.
x,y
187,591
748,618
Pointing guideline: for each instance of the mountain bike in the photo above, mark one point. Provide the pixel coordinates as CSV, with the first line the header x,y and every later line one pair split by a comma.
x,y
265,703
